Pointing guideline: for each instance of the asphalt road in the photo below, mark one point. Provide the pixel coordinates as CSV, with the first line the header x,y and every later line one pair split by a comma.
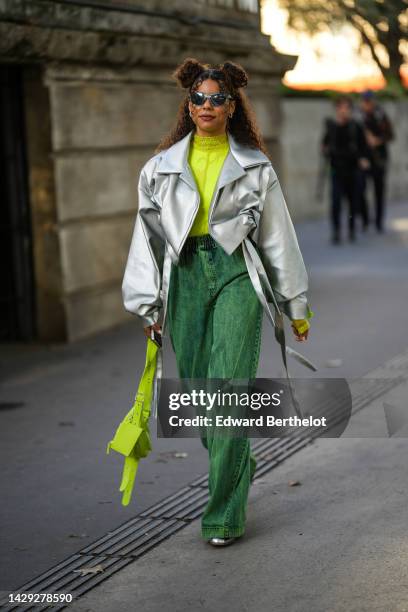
x,y
61,404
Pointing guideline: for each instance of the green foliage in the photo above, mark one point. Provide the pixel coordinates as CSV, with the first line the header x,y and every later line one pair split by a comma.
x,y
381,24
391,92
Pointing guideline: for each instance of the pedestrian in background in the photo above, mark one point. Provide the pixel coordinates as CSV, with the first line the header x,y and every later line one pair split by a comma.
x,y
379,132
344,144
209,201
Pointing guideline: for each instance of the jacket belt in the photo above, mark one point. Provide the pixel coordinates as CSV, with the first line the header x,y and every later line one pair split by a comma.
x,y
257,273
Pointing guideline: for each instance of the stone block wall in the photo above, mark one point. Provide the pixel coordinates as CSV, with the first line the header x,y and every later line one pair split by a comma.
x,y
104,130
104,72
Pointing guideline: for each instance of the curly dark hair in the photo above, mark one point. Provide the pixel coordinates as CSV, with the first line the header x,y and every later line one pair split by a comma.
x,y
231,78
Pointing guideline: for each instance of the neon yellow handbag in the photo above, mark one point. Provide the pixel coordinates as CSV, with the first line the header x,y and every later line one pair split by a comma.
x,y
132,437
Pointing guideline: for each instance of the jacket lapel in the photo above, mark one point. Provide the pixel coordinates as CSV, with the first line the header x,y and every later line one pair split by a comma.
x,y
180,196
175,160
180,202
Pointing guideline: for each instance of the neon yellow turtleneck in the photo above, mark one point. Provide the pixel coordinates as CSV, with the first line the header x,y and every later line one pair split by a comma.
x,y
206,158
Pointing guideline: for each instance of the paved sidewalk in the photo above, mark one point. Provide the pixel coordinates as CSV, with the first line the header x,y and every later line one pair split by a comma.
x,y
336,543
61,404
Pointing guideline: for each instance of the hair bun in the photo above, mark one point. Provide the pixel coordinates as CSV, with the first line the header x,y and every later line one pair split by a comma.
x,y
236,74
187,72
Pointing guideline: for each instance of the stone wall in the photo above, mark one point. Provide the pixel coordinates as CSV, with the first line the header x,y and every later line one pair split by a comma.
x,y
49,290
106,74
105,127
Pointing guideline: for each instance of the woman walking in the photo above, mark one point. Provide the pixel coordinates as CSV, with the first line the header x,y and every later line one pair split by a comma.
x,y
212,223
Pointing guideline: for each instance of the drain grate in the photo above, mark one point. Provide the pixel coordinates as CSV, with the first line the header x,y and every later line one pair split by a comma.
x,y
185,505
133,538
140,534
64,579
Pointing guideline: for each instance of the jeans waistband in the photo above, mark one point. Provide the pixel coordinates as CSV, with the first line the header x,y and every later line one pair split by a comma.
x,y
193,244
204,242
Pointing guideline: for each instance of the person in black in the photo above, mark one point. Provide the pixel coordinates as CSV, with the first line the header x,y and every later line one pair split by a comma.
x,y
378,132
345,146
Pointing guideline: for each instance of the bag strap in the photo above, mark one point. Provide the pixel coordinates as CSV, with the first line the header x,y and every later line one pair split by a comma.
x,y
147,391
130,468
257,272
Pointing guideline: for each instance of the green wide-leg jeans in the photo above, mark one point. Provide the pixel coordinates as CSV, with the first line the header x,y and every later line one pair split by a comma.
x,y
215,326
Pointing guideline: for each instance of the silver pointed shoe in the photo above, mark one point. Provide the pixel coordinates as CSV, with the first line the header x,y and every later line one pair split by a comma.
x,y
221,541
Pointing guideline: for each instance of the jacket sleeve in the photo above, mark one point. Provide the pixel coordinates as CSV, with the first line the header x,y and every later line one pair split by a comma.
x,y
280,253
141,286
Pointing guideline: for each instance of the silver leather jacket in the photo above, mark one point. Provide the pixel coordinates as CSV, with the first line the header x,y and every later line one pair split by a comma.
x,y
247,210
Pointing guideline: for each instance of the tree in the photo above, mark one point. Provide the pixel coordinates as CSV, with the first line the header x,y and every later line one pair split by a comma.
x,y
381,24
